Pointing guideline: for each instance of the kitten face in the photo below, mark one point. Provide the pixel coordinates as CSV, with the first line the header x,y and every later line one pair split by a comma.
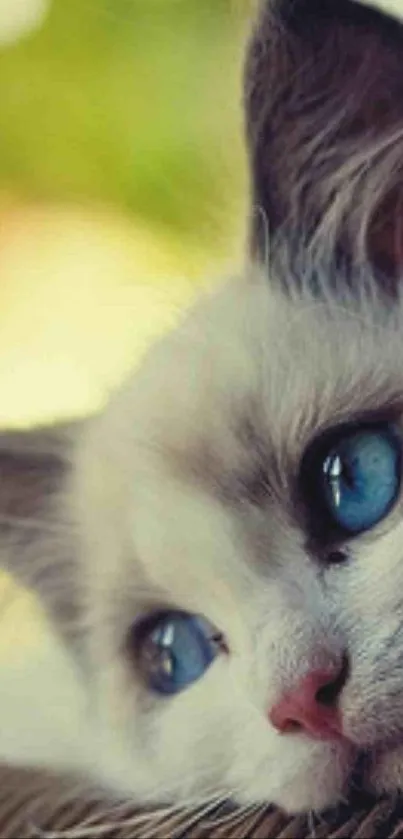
x,y
186,496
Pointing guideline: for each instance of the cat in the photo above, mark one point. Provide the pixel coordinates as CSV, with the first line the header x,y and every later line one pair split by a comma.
x,y
219,549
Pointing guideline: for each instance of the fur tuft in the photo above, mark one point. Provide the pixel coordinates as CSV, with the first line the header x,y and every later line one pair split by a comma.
x,y
324,102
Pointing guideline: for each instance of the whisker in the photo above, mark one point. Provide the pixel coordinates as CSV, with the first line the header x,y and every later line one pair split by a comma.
x,y
237,814
260,211
101,823
34,524
312,824
198,815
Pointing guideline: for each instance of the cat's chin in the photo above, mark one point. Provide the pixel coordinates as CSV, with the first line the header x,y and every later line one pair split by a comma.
x,y
320,784
379,772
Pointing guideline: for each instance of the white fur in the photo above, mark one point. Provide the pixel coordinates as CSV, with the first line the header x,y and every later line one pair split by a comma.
x,y
157,500
42,707
159,512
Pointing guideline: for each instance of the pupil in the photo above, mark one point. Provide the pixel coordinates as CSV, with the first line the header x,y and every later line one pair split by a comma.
x,y
166,663
347,473
341,470
174,649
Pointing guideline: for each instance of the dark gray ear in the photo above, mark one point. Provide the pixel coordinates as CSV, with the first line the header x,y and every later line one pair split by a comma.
x,y
324,110
37,543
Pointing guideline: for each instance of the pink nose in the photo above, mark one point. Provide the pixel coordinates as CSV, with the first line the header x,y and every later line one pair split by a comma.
x,y
311,707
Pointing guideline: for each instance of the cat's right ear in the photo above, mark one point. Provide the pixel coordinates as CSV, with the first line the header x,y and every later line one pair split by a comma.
x,y
324,110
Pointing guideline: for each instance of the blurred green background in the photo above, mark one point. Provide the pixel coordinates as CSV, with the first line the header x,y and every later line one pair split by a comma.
x,y
122,184
122,192
134,103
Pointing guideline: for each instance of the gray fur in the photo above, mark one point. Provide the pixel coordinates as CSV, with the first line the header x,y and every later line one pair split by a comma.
x,y
324,94
36,534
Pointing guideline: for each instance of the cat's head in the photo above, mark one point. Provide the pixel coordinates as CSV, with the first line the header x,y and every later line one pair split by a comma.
x,y
240,502
242,519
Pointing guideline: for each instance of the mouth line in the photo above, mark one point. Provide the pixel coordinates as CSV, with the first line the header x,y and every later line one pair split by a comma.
x,y
359,770
358,785
357,795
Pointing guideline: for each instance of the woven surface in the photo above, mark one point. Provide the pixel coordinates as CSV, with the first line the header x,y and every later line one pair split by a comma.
x,y
37,805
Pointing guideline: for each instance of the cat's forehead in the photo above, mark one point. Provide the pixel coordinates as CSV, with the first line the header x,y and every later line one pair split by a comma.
x,y
266,372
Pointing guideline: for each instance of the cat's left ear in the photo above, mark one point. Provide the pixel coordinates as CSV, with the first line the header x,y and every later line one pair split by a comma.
x,y
324,110
37,544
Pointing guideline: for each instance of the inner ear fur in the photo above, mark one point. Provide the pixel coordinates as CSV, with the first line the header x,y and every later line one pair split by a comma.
x,y
324,121
37,542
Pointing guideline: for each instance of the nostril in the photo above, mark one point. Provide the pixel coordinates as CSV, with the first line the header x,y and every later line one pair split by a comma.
x,y
328,694
291,727
311,706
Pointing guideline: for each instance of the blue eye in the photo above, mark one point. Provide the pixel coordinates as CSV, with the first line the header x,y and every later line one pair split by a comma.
x,y
174,649
355,478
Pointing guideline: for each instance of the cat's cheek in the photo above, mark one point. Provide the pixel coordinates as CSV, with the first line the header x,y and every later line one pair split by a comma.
x,y
386,771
